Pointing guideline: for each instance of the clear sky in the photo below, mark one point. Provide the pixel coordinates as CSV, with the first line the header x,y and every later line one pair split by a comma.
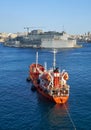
x,y
72,16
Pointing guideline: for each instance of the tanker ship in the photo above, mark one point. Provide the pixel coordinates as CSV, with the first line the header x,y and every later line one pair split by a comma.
x,y
52,83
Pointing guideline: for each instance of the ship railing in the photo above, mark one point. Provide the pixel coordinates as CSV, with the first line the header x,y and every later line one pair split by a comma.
x,y
63,91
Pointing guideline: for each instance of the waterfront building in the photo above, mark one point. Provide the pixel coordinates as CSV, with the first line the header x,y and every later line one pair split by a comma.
x,y
40,39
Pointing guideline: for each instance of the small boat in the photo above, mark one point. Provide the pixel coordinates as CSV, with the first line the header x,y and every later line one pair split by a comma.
x,y
51,83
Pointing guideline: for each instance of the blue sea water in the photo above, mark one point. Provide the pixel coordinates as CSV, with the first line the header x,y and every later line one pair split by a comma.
x,y
23,109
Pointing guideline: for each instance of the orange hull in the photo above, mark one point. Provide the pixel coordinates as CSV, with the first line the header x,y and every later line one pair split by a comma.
x,y
56,99
61,100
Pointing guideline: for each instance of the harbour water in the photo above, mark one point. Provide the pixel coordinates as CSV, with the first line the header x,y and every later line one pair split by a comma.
x,y
22,109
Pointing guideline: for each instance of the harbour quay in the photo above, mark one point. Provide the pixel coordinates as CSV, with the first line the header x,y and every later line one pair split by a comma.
x,y
40,39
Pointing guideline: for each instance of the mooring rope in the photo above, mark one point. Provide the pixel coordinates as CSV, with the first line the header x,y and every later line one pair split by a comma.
x,y
70,117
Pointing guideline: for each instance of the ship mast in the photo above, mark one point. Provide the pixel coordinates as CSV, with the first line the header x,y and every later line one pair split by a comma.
x,y
36,59
54,59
